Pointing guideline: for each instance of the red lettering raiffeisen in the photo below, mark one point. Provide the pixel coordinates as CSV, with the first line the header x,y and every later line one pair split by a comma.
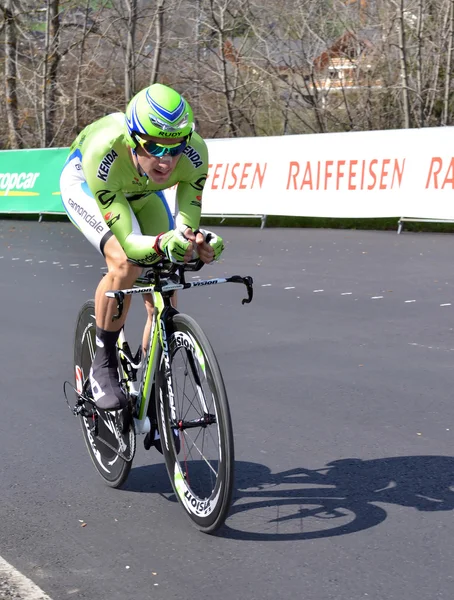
x,y
240,175
342,175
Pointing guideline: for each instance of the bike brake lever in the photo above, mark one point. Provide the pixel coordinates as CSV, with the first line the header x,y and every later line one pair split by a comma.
x,y
248,281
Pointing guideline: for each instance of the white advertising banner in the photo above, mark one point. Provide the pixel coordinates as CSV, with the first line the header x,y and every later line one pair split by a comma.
x,y
343,175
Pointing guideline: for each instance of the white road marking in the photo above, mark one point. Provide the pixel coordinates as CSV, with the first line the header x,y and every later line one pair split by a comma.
x,y
266,284
376,297
317,291
289,288
19,584
408,301
431,347
347,294
446,304
74,265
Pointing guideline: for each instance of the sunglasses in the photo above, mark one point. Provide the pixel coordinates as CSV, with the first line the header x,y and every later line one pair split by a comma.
x,y
159,150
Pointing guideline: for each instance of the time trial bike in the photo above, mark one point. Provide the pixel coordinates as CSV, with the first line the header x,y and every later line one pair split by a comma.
x,y
176,398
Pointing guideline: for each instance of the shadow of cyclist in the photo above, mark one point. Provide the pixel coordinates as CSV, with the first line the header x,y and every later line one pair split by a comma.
x,y
337,499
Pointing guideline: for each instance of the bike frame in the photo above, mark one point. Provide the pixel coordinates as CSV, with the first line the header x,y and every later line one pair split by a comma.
x,y
162,288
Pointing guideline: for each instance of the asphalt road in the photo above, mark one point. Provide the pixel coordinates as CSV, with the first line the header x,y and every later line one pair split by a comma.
x,y
340,381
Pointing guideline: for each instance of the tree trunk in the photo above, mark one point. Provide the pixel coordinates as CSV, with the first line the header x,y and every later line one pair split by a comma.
x,y
130,59
159,40
219,28
420,103
14,140
403,66
445,118
79,69
54,61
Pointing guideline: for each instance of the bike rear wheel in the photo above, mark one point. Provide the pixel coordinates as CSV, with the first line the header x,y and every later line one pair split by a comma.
x,y
195,425
110,451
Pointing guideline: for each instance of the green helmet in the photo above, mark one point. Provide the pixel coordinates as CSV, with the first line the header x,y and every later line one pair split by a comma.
x,y
159,111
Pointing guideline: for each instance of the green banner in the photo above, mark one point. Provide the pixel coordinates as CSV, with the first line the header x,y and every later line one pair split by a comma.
x,y
30,180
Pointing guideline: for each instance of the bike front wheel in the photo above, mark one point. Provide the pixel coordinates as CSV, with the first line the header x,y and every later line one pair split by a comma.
x,y
194,424
110,450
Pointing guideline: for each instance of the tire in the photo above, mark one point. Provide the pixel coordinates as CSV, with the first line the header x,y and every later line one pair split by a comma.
x,y
113,468
199,458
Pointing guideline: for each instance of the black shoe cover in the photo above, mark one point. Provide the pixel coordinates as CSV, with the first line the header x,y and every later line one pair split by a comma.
x,y
106,390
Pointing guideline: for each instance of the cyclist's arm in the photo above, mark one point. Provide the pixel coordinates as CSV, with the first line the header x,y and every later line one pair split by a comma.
x,y
104,168
117,215
189,202
190,188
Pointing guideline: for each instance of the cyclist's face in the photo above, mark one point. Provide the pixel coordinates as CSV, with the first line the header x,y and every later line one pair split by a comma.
x,y
158,168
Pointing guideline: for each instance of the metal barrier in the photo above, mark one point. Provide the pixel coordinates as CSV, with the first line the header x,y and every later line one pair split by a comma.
x,y
224,217
402,220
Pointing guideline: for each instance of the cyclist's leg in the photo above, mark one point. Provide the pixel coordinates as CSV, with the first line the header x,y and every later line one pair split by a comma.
x,y
85,214
120,274
154,217
104,375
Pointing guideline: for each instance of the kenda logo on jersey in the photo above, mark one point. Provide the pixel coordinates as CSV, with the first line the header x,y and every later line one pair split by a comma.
x,y
106,163
18,181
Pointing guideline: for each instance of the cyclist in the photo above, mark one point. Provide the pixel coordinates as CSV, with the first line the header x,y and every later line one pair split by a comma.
x,y
111,187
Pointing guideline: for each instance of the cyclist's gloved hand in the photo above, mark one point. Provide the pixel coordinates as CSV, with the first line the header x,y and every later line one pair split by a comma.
x,y
173,245
215,241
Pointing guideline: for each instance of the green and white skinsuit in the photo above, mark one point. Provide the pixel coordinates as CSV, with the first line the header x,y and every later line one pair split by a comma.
x,y
104,194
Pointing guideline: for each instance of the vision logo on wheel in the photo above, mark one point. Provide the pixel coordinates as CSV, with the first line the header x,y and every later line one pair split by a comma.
x,y
200,508
186,340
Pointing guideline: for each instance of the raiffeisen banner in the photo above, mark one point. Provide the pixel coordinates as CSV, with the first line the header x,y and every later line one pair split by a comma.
x,y
29,180
343,175
397,173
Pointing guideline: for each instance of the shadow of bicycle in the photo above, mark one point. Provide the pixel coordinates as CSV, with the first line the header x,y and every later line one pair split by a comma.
x,y
338,499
